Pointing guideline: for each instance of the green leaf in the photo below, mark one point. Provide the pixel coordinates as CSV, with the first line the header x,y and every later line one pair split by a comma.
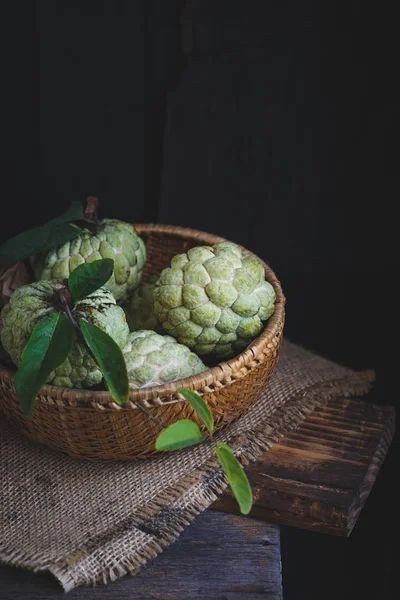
x,y
36,240
201,408
54,233
73,213
237,478
88,277
49,345
179,435
110,360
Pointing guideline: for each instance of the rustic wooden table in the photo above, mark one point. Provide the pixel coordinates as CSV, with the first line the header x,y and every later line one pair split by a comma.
x,y
317,478
220,556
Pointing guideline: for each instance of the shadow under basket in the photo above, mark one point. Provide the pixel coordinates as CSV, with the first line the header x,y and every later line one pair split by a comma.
x,y
89,424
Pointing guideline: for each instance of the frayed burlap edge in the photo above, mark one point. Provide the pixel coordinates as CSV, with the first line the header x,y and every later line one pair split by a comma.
x,y
183,502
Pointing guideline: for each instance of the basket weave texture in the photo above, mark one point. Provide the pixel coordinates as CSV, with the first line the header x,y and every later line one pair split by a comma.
x,y
89,424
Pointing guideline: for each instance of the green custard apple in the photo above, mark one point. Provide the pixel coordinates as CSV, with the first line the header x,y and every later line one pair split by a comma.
x,y
109,238
139,309
153,359
30,303
215,300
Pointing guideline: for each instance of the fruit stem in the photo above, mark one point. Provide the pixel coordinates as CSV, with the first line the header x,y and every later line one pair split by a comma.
x,y
92,208
148,414
64,299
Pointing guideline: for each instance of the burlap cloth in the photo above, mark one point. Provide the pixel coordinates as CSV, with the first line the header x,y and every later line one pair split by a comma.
x,y
92,522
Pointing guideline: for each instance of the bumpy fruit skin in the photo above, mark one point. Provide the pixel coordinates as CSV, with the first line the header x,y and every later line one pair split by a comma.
x,y
153,359
112,239
139,309
215,300
33,302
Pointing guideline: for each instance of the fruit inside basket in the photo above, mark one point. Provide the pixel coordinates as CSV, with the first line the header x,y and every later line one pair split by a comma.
x,y
205,314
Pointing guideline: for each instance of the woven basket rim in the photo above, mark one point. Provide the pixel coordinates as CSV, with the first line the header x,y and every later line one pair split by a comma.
x,y
230,369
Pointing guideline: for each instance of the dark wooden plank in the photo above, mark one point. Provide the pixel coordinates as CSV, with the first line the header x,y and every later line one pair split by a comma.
x,y
319,476
219,557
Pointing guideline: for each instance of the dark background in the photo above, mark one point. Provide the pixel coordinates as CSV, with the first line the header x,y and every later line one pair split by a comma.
x,y
269,123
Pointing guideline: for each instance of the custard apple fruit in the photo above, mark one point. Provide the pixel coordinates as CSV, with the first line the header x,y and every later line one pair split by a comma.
x,y
139,309
215,300
30,303
112,239
153,359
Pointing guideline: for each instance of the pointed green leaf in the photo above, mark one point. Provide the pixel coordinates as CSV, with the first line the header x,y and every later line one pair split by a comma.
x,y
49,345
54,233
179,435
36,240
236,476
225,447
73,213
110,360
88,277
201,408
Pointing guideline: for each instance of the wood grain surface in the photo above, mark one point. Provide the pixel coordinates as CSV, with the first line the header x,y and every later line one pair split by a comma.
x,y
319,476
219,556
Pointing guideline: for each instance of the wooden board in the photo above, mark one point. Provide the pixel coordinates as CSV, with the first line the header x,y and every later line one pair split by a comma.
x,y
319,476
218,556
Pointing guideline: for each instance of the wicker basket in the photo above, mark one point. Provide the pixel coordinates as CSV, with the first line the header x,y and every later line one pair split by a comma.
x,y
87,424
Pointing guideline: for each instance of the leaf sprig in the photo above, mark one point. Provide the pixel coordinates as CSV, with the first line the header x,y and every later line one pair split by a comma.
x,y
186,433
53,338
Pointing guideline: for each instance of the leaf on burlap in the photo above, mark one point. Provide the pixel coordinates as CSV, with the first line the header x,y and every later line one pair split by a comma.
x,y
236,476
200,406
179,435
